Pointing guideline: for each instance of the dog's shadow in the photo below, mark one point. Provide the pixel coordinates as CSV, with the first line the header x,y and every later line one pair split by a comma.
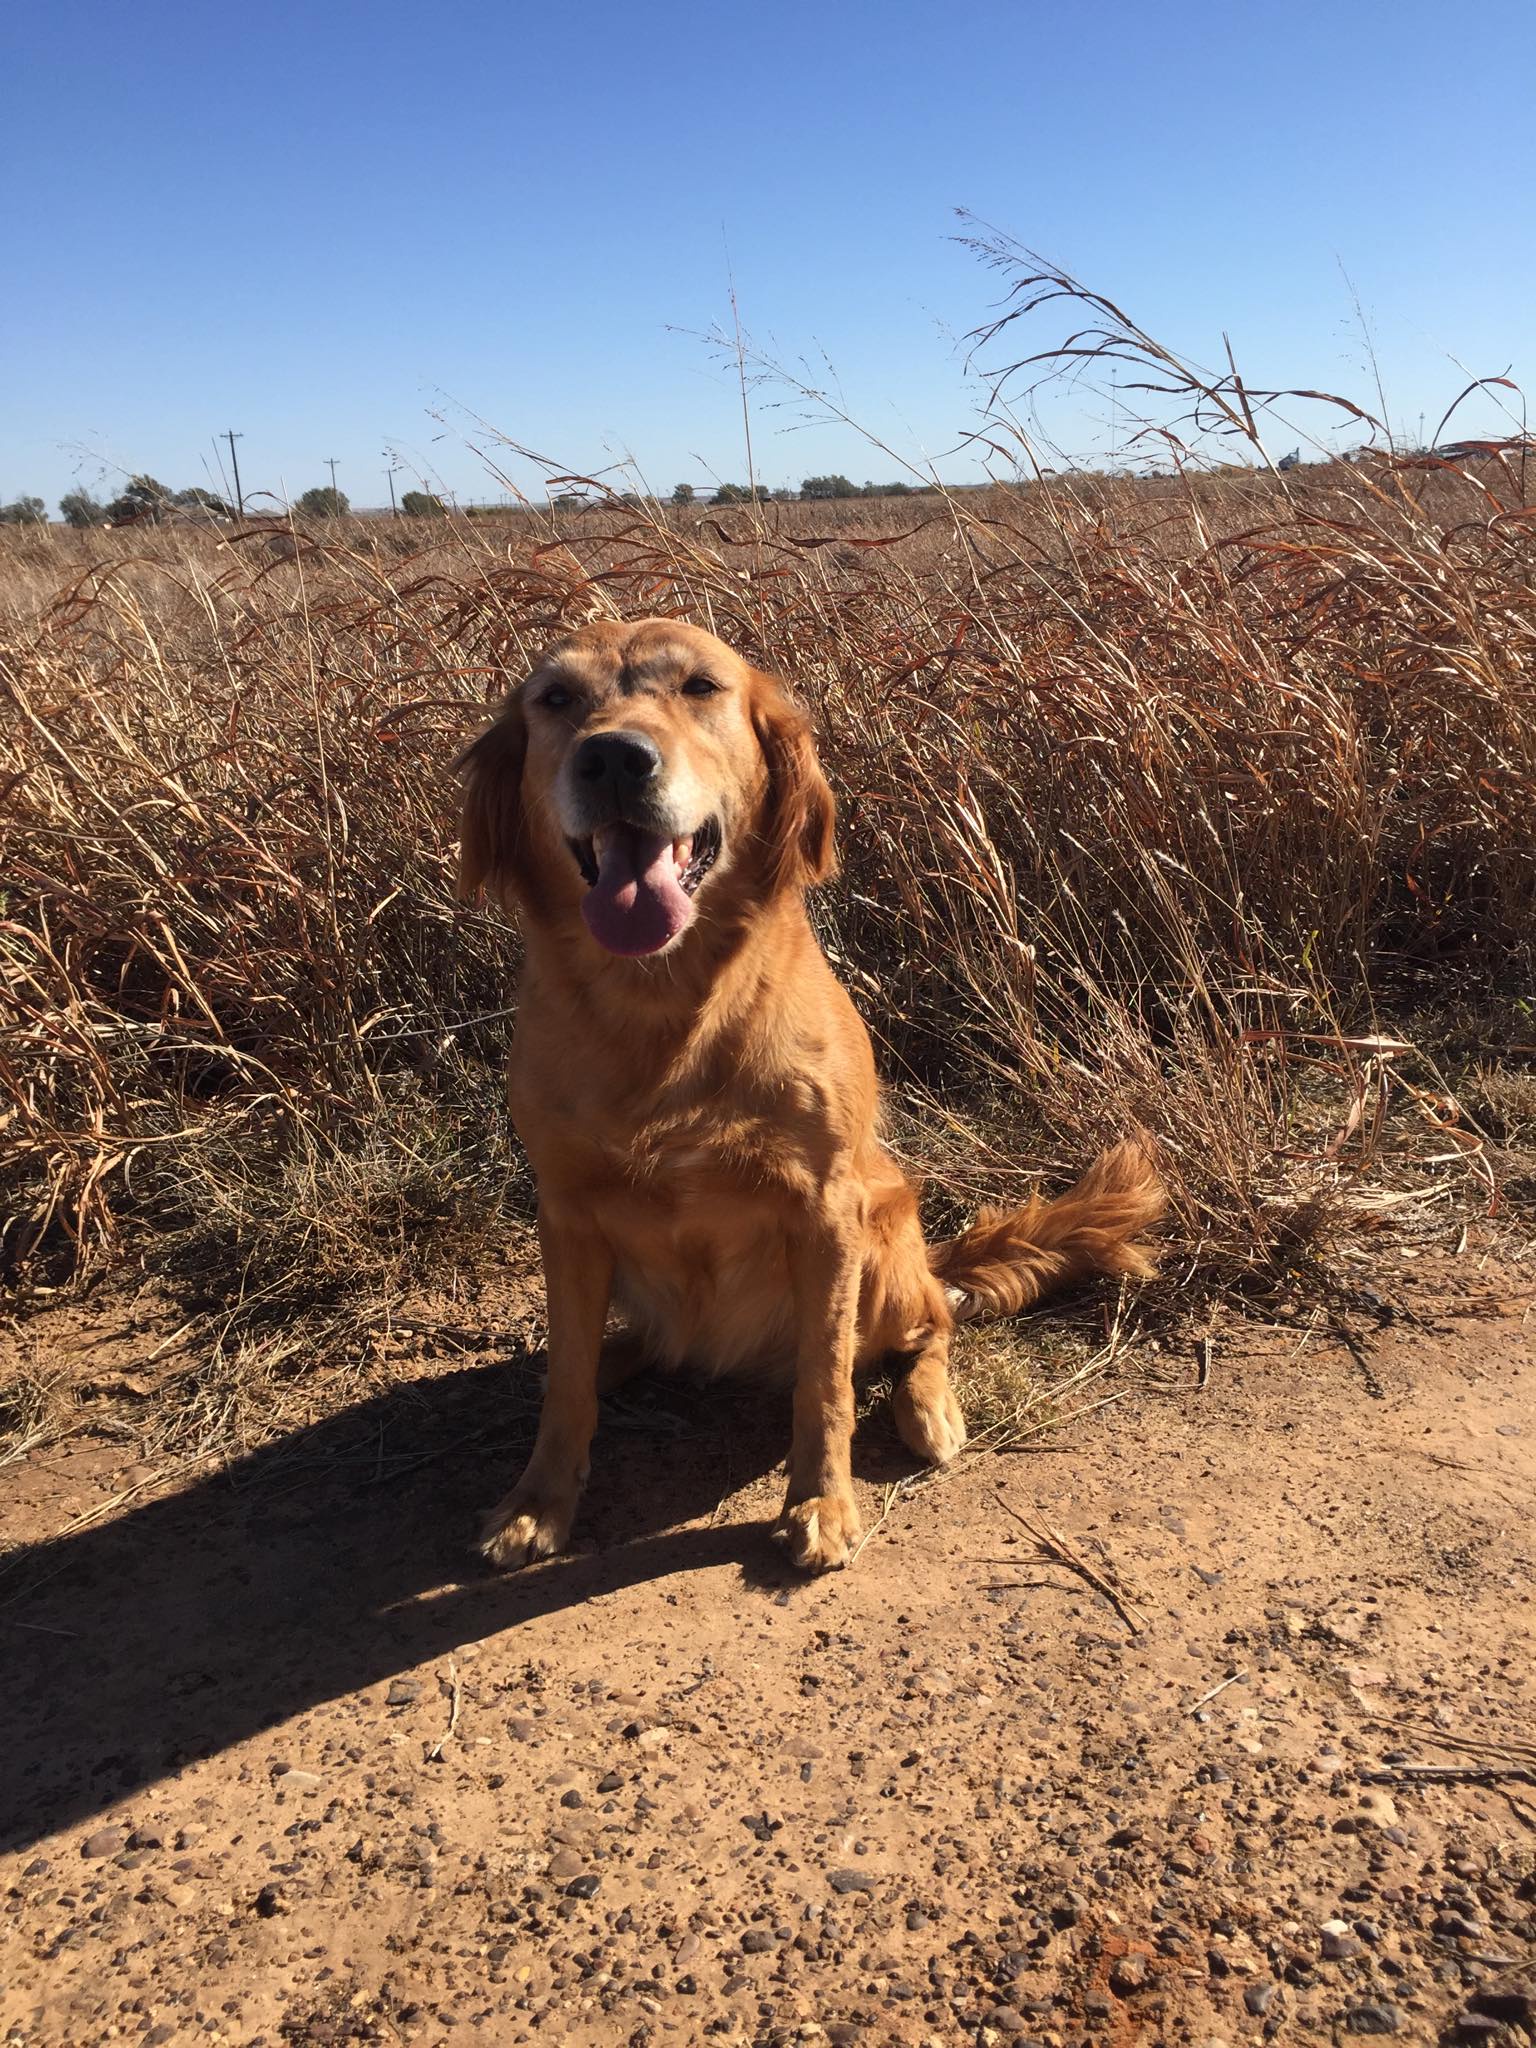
x,y
337,1556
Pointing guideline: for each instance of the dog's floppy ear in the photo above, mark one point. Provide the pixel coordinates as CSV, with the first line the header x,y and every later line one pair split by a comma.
x,y
799,809
492,850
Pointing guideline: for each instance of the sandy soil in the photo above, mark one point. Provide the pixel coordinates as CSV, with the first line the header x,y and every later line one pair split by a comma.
x,y
278,1765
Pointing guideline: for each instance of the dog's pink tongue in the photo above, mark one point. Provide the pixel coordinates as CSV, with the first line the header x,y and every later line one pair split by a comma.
x,y
637,904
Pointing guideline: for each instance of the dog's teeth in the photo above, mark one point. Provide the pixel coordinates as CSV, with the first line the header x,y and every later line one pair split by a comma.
x,y
682,853
600,839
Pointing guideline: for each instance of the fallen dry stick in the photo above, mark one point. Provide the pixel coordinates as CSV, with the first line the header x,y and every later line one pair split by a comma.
x,y
456,1697
1450,1774
1487,1756
1232,1678
1056,1546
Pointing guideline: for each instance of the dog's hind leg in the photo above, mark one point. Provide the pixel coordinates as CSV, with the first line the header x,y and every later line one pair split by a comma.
x,y
905,1315
623,1355
927,1414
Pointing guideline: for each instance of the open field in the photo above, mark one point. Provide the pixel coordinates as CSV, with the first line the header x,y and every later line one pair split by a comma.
x,y
1160,803
1205,806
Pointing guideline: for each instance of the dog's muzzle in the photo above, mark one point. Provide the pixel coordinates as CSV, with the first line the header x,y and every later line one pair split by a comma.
x,y
641,870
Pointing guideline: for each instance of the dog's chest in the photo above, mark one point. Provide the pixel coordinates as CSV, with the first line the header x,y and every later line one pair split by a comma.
x,y
701,1157
686,1147
696,1195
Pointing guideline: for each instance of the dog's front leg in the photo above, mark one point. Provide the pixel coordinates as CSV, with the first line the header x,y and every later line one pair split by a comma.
x,y
535,1518
820,1522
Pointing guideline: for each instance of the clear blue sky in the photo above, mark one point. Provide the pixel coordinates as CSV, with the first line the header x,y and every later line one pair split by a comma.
x,y
321,224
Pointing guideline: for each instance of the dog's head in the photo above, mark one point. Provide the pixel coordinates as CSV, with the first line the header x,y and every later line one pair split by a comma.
x,y
639,769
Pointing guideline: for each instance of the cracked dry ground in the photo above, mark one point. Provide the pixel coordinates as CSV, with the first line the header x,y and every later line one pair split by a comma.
x,y
276,1767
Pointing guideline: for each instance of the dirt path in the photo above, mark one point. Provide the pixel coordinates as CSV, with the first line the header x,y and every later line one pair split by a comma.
x,y
274,1768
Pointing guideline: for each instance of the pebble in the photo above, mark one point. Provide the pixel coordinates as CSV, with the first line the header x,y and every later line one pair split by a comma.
x,y
105,1842
850,1881
585,1887
1339,1944
1513,2003
610,1782
1258,1997
294,1780
757,1942
1128,1974
1371,2018
403,1692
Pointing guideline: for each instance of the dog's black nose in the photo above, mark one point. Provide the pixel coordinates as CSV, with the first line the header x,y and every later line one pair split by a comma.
x,y
623,760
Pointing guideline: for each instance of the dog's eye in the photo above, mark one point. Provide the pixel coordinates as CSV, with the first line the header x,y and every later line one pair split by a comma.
x,y
557,698
700,686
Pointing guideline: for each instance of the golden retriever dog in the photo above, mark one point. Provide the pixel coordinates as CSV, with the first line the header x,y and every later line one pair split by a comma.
x,y
696,1092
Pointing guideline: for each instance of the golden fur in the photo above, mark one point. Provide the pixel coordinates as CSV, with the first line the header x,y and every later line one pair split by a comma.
x,y
703,1121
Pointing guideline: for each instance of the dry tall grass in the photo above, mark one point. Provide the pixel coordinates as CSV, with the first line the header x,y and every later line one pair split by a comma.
x,y
1157,799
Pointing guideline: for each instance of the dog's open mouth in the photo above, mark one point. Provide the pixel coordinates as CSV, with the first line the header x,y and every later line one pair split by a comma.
x,y
640,886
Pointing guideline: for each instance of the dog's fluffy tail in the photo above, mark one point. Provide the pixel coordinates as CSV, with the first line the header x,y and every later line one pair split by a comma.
x,y
1009,1258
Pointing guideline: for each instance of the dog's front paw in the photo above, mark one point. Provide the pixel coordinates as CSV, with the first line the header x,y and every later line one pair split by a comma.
x,y
524,1526
820,1534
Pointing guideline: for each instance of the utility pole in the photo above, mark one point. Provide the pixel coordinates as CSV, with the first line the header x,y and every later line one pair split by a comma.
x,y
232,437
394,509
330,463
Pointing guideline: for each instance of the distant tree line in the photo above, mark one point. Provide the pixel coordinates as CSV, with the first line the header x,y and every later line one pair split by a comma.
x,y
145,500
142,499
811,487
